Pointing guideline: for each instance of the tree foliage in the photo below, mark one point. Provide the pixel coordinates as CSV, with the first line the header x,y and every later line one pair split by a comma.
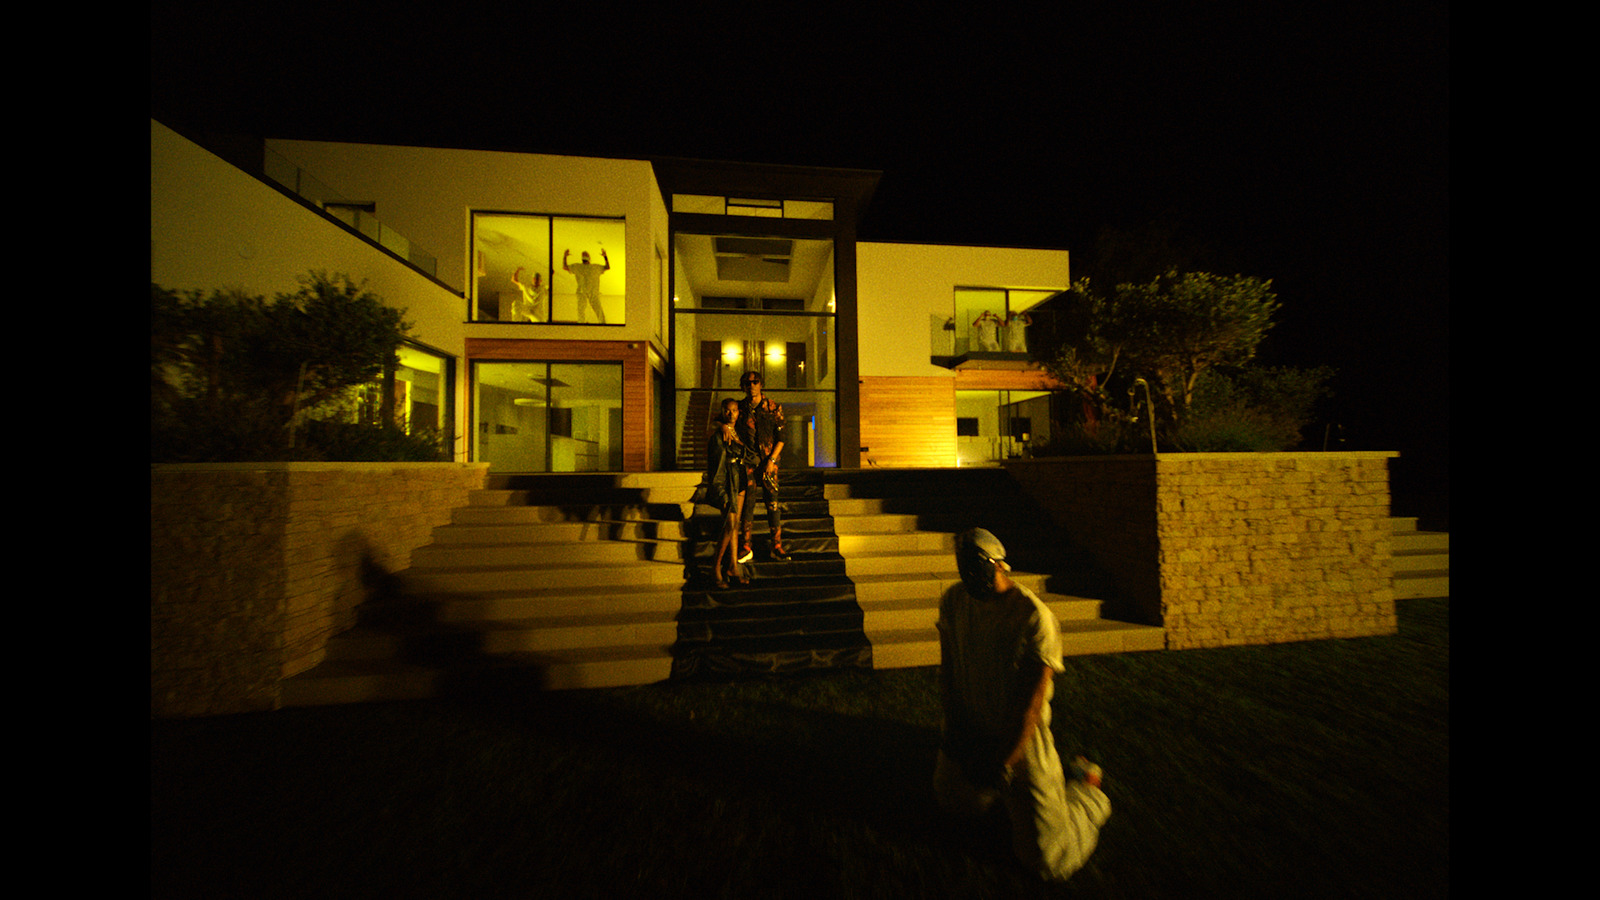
x,y
1156,342
233,375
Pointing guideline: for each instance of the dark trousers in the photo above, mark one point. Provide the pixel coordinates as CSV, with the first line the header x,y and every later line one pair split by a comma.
x,y
769,493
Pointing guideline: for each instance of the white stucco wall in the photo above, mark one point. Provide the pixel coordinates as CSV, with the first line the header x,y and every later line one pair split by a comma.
x,y
429,195
902,287
213,226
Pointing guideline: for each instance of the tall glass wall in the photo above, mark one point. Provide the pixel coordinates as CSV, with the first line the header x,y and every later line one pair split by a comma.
x,y
548,416
996,425
763,306
420,401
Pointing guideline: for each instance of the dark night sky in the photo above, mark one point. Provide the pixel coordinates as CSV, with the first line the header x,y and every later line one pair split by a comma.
x,y
1306,142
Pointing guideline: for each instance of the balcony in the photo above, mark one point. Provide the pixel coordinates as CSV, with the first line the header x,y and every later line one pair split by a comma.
x,y
358,217
986,338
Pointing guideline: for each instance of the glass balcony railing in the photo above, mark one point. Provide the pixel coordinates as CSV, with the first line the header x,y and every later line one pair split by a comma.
x,y
987,334
358,216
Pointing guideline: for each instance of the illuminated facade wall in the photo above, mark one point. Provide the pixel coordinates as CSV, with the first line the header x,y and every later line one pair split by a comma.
x,y
914,411
214,225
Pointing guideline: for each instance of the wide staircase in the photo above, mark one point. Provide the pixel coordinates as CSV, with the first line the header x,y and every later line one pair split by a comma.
x,y
897,532
568,581
793,614
555,582
1421,561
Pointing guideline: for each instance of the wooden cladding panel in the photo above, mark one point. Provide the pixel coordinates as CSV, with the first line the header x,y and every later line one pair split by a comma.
x,y
908,422
638,406
1006,380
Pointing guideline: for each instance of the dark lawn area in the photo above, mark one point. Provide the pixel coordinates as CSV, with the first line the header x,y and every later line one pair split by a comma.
x,y
1318,769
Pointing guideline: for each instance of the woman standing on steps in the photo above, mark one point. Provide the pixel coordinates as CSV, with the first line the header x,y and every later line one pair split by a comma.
x,y
727,473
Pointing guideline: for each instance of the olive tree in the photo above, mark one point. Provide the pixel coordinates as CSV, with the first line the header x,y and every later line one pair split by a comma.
x,y
1166,332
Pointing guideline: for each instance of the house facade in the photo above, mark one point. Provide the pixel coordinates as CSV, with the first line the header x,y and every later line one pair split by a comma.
x,y
576,314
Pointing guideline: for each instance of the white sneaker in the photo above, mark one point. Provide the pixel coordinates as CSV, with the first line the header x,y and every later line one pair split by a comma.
x,y
748,555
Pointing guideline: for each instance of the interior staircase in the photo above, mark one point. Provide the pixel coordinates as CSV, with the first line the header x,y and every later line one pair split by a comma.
x,y
692,439
1421,561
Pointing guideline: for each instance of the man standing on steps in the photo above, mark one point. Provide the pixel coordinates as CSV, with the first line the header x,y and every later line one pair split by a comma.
x,y
1000,650
760,425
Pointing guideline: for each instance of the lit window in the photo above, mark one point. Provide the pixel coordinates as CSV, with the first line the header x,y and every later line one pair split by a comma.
x,y
535,269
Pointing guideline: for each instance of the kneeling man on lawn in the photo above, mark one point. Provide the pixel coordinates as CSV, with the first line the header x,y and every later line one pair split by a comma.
x,y
1000,651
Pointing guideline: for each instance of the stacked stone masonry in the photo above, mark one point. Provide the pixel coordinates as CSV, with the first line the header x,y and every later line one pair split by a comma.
x,y
253,567
1245,548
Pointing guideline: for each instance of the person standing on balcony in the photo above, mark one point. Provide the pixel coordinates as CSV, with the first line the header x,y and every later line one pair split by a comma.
x,y
988,330
760,426
588,275
1017,332
1000,650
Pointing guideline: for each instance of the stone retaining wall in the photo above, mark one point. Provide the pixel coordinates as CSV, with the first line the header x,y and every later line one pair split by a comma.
x,y
1233,548
254,566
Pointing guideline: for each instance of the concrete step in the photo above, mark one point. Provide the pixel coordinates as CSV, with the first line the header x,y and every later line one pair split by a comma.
x,y
523,513
1418,585
1421,541
369,681
556,603
592,553
1421,560
873,523
481,579
873,544
584,632
511,532
909,613
919,562
904,648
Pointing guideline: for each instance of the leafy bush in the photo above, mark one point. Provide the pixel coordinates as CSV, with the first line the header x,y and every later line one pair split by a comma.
x,y
1083,439
238,378
354,442
1251,409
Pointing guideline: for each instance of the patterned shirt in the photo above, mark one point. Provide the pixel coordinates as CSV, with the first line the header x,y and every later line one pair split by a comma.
x,y
760,425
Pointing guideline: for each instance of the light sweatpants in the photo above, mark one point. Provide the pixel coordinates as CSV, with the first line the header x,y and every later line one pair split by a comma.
x,y
1055,823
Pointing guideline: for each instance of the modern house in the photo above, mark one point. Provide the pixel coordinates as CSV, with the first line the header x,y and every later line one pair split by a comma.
x,y
576,314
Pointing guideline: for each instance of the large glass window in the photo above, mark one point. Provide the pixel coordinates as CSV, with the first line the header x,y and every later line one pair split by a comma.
x,y
422,391
548,416
989,320
764,305
417,398
538,269
996,425
706,204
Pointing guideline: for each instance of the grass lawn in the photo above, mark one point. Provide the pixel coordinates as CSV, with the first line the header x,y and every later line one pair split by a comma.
x,y
1317,769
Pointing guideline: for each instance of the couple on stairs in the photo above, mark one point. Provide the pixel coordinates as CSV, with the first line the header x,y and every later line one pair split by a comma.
x,y
746,438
